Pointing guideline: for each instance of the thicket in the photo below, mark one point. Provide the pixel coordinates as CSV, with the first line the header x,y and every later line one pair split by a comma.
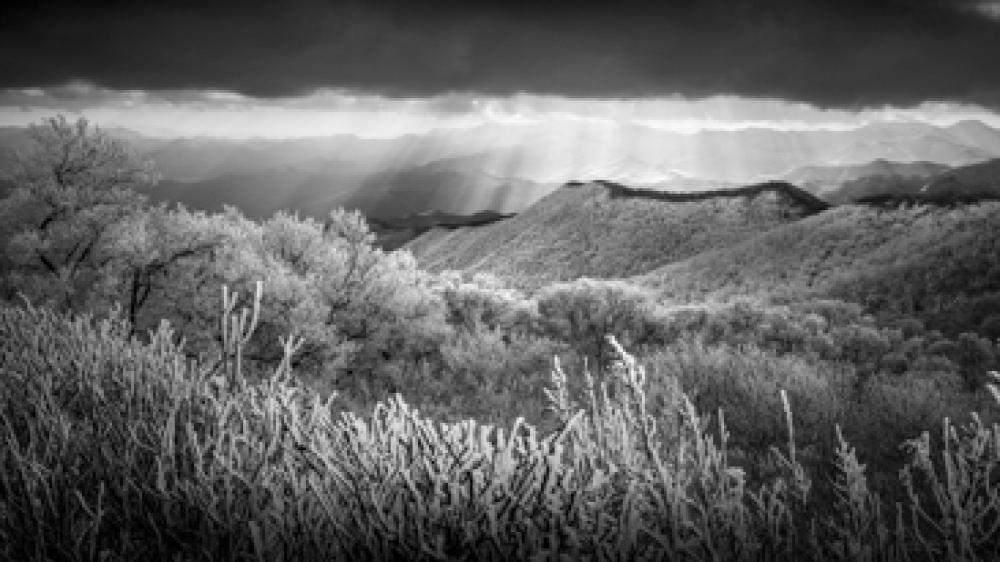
x,y
118,449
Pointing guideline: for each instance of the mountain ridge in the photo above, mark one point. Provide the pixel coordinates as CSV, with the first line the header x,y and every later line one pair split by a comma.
x,y
800,196
604,229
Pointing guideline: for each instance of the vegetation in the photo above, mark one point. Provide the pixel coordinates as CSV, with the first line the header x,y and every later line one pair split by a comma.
x,y
936,264
347,403
117,449
594,230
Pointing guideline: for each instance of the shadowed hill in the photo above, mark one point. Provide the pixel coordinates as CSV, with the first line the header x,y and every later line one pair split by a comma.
x,y
974,182
967,184
892,183
927,260
603,229
392,233
845,184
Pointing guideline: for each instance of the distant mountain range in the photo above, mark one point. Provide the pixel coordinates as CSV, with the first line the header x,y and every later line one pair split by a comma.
x,y
882,180
848,183
508,167
975,181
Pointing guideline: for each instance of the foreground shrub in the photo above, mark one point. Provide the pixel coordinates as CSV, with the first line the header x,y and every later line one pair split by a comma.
x,y
115,449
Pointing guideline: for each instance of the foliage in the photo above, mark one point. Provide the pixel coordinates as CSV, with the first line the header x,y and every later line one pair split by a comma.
x,y
153,261
71,190
190,462
936,264
832,330
585,311
80,237
746,382
485,301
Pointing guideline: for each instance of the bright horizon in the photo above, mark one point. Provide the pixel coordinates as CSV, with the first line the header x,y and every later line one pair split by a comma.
x,y
224,114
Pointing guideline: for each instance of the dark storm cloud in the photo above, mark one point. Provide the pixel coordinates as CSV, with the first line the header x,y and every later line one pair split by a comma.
x,y
844,53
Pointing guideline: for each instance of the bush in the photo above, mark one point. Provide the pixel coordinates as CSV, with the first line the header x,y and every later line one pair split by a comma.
x,y
116,449
990,327
975,355
485,375
583,312
746,382
485,302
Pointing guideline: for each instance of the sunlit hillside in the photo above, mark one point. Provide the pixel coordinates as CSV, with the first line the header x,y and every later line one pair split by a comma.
x,y
932,261
587,231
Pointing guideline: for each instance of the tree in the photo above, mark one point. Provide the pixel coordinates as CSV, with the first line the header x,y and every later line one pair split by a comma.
x,y
360,310
71,189
484,302
150,251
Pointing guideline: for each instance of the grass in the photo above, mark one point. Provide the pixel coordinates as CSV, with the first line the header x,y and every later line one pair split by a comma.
x,y
114,449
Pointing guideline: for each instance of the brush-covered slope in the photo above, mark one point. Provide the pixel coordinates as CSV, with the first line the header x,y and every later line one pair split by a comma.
x,y
922,259
601,229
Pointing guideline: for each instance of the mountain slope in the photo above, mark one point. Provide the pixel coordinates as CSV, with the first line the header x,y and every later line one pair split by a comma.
x,y
393,233
601,229
852,182
932,148
813,177
925,260
451,185
976,181
976,133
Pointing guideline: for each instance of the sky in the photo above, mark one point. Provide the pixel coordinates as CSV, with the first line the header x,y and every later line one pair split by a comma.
x,y
384,68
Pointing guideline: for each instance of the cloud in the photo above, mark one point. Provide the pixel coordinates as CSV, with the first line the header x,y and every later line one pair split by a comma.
x,y
988,8
830,53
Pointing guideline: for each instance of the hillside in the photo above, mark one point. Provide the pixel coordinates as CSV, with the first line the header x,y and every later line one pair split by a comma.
x,y
889,183
976,133
455,185
393,233
976,181
602,229
933,261
815,176
930,148
848,183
